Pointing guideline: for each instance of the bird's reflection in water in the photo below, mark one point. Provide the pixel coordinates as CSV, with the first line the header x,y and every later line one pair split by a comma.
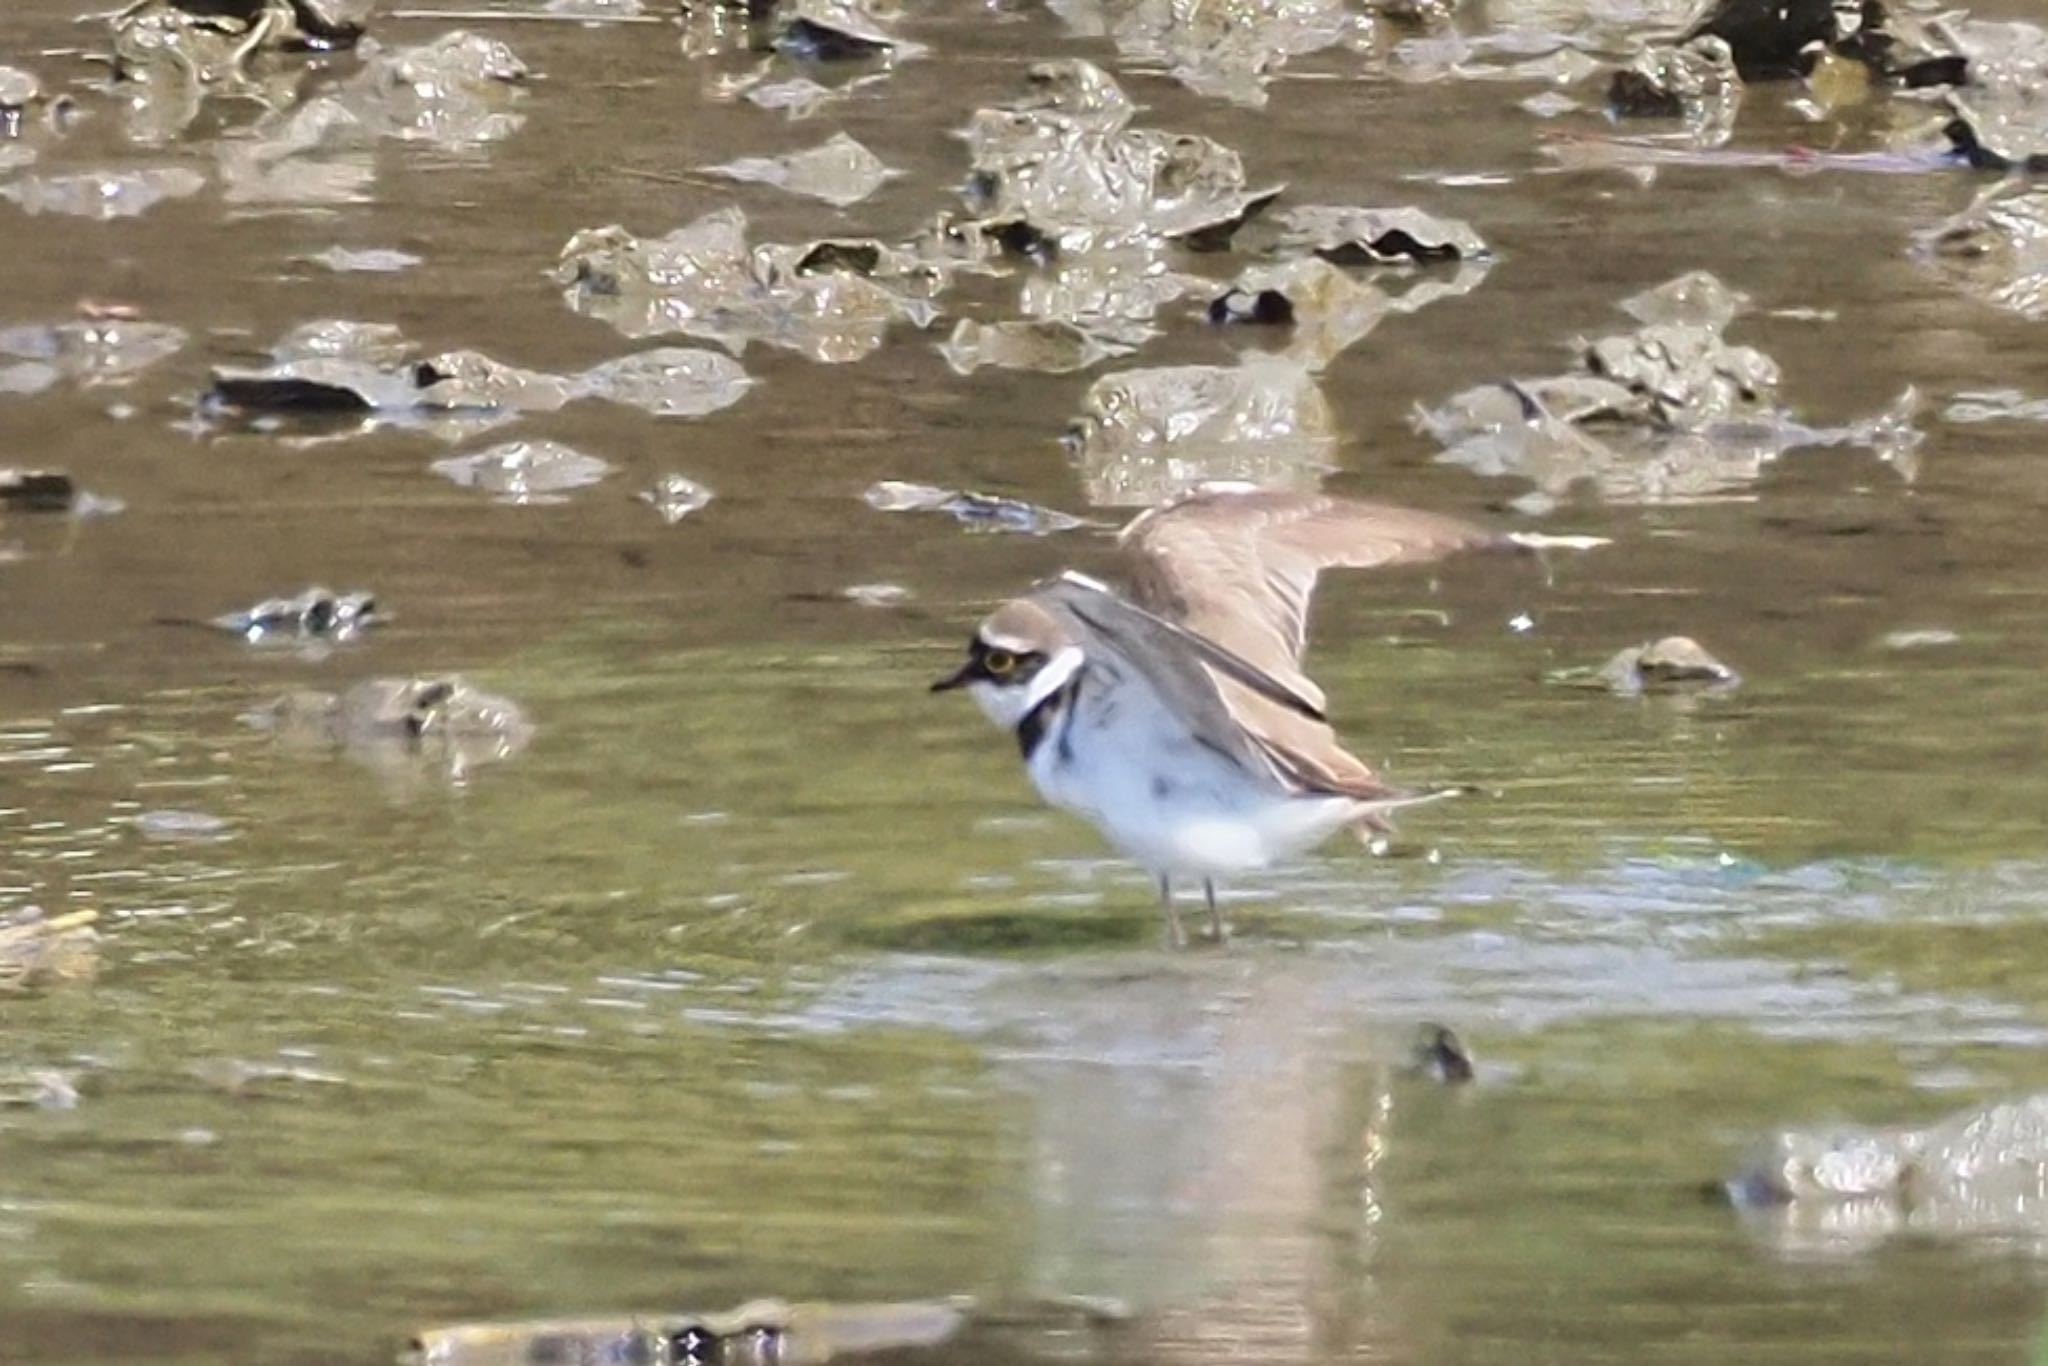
x,y
1206,1142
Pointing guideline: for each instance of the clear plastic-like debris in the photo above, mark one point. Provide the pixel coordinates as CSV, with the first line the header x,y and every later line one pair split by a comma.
x,y
1996,249
456,89
316,153
1078,91
1696,299
460,382
1541,52
1324,308
338,368
1367,237
102,195
1144,436
195,29
86,351
1577,430
1225,49
1995,106
1979,1174
470,379
1776,39
1083,181
669,381
1683,376
839,171
200,43
316,614
829,300
1111,293
755,1334
1054,348
525,472
461,90
838,30
2001,128
978,511
1995,405
1671,412
1695,83
675,497
344,339
402,724
799,97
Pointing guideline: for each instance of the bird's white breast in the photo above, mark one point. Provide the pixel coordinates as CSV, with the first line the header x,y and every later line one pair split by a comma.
x,y
1164,798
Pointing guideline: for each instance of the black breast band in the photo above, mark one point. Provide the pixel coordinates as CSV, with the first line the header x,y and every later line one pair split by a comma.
x,y
1038,722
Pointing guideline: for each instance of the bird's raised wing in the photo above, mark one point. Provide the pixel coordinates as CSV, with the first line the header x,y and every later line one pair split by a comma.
x,y
1239,567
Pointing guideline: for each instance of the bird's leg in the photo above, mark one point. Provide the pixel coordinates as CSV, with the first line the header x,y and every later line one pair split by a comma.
x,y
1176,936
1216,930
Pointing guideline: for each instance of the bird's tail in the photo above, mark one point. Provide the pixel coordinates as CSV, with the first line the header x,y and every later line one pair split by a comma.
x,y
1377,817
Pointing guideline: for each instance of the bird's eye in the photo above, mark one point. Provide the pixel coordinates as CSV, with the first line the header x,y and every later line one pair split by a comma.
x,y
999,663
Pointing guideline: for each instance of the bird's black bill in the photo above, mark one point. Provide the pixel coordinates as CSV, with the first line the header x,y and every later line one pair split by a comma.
x,y
959,678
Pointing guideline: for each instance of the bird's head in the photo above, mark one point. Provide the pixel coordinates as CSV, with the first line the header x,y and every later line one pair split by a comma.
x,y
1018,657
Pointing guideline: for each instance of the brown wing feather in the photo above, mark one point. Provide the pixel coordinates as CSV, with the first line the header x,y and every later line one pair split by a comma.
x,y
1240,568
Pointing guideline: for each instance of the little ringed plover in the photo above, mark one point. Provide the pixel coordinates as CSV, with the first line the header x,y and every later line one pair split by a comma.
x,y
1175,715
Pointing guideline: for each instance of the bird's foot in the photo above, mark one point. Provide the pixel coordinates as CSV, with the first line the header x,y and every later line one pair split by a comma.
x,y
1219,933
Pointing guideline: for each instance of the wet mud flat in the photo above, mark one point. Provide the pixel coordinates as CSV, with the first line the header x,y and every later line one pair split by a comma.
x,y
486,487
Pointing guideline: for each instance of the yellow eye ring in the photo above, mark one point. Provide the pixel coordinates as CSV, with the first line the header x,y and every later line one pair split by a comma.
x,y
999,663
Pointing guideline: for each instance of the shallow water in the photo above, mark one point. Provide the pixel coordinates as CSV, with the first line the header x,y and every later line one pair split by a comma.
x,y
761,973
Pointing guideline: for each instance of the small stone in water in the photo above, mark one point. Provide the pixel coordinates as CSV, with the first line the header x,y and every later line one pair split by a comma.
x,y
1680,659
1550,104
38,1088
181,825
1920,640
1440,1054
675,497
877,594
375,259
1670,661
